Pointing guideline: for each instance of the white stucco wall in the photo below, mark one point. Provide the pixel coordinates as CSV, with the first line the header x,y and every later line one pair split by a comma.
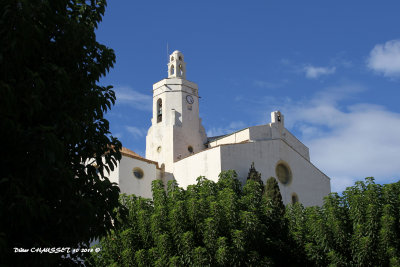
x,y
129,184
265,132
237,137
295,143
260,132
180,126
206,163
310,184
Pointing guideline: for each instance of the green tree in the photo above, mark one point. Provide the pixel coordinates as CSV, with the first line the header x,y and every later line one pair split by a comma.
x,y
57,146
208,224
274,198
297,231
279,243
254,174
389,233
361,227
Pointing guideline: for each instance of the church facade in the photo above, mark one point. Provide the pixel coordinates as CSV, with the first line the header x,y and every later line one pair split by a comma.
x,y
177,147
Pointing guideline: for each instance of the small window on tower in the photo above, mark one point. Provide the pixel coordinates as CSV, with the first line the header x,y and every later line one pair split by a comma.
x,y
180,69
180,58
159,110
172,72
190,149
172,58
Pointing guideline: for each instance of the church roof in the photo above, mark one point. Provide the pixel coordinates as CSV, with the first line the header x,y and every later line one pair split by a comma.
x,y
213,138
127,152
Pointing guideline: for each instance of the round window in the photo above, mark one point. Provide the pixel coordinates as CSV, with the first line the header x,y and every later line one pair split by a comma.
x,y
138,173
283,173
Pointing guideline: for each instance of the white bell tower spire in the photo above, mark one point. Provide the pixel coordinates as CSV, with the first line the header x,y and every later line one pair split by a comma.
x,y
176,131
176,65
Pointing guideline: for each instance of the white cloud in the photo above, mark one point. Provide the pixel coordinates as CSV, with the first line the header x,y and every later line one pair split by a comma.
x,y
136,132
385,58
128,96
348,143
270,85
315,72
232,127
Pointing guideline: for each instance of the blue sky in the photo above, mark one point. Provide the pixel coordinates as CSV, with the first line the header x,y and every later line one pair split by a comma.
x,y
332,68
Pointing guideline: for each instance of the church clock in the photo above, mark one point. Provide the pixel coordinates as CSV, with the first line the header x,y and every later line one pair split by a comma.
x,y
189,99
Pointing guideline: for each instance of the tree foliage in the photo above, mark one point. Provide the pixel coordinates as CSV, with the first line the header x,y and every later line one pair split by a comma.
x,y
254,174
225,224
361,227
208,224
57,147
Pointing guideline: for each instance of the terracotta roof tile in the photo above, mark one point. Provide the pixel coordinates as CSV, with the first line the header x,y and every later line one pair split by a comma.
x,y
127,151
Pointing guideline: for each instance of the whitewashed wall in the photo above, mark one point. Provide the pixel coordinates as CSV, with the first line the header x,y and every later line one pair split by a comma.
x,y
309,183
206,163
129,184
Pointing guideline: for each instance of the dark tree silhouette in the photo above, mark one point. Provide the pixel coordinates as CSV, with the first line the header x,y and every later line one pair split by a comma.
x,y
57,148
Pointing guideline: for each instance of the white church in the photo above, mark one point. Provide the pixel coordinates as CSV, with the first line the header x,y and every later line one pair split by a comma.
x,y
177,147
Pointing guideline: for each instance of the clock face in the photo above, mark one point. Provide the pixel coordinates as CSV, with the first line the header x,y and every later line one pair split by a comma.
x,y
189,99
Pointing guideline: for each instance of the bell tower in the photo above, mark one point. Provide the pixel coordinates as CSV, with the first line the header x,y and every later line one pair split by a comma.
x,y
176,66
176,131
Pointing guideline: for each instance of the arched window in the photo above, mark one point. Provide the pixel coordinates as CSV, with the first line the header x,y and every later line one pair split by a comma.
x,y
180,70
172,71
159,110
